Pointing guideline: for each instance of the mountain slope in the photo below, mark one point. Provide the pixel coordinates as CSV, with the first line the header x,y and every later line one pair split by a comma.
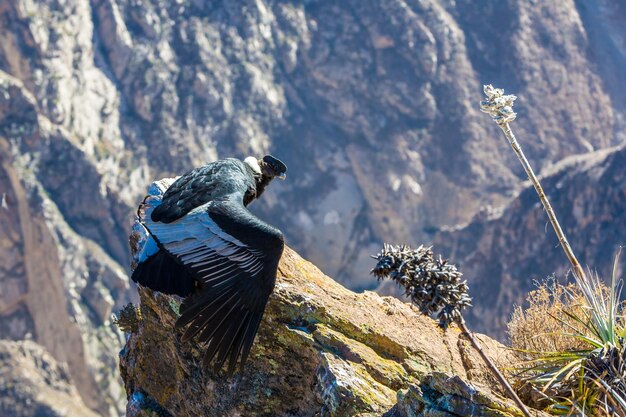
x,y
58,287
33,384
374,101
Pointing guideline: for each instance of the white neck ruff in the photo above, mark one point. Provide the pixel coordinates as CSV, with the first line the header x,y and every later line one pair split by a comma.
x,y
253,163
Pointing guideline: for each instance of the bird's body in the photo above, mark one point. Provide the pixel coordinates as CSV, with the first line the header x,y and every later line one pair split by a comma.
x,y
200,242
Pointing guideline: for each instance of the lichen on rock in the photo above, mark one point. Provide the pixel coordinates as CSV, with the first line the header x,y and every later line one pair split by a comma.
x,y
322,350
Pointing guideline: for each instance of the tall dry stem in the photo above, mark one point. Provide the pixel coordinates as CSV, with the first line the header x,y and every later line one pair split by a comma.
x,y
500,107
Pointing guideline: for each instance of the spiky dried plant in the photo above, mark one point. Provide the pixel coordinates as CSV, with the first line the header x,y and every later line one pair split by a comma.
x,y
435,286
606,368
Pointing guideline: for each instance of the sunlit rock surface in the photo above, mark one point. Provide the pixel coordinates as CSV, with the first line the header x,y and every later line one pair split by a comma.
x,y
321,350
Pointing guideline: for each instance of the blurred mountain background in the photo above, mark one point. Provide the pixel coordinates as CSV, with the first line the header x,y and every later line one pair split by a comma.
x,y
373,105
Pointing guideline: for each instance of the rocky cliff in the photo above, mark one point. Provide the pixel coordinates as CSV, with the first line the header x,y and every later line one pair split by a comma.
x,y
34,384
322,350
57,287
516,243
373,105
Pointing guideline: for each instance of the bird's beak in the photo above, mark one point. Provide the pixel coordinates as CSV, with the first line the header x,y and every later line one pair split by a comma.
x,y
282,176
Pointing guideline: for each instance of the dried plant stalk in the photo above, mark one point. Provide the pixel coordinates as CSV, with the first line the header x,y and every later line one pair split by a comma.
x,y
494,369
500,107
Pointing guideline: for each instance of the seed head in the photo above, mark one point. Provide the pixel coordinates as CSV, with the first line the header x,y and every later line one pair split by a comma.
x,y
498,105
433,285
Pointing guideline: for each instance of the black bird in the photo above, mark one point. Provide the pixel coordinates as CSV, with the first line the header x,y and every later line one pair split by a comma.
x,y
199,241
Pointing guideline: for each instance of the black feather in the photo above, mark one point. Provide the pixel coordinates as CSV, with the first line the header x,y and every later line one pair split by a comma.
x,y
236,322
162,272
248,339
199,186
216,331
237,344
202,315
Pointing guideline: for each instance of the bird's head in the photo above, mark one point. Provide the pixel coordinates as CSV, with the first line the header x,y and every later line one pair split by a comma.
x,y
273,167
268,166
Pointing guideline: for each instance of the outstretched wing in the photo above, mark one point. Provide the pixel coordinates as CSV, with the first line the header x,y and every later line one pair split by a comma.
x,y
234,257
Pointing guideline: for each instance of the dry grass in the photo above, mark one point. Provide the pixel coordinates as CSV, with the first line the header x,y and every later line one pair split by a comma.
x,y
544,326
570,346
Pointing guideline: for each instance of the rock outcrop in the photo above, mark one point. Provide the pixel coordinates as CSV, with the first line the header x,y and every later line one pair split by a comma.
x,y
322,350
517,245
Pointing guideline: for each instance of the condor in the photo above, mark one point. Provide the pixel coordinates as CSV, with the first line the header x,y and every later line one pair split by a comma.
x,y
199,241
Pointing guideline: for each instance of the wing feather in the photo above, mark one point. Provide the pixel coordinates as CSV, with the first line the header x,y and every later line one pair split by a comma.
x,y
249,338
234,257
237,344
